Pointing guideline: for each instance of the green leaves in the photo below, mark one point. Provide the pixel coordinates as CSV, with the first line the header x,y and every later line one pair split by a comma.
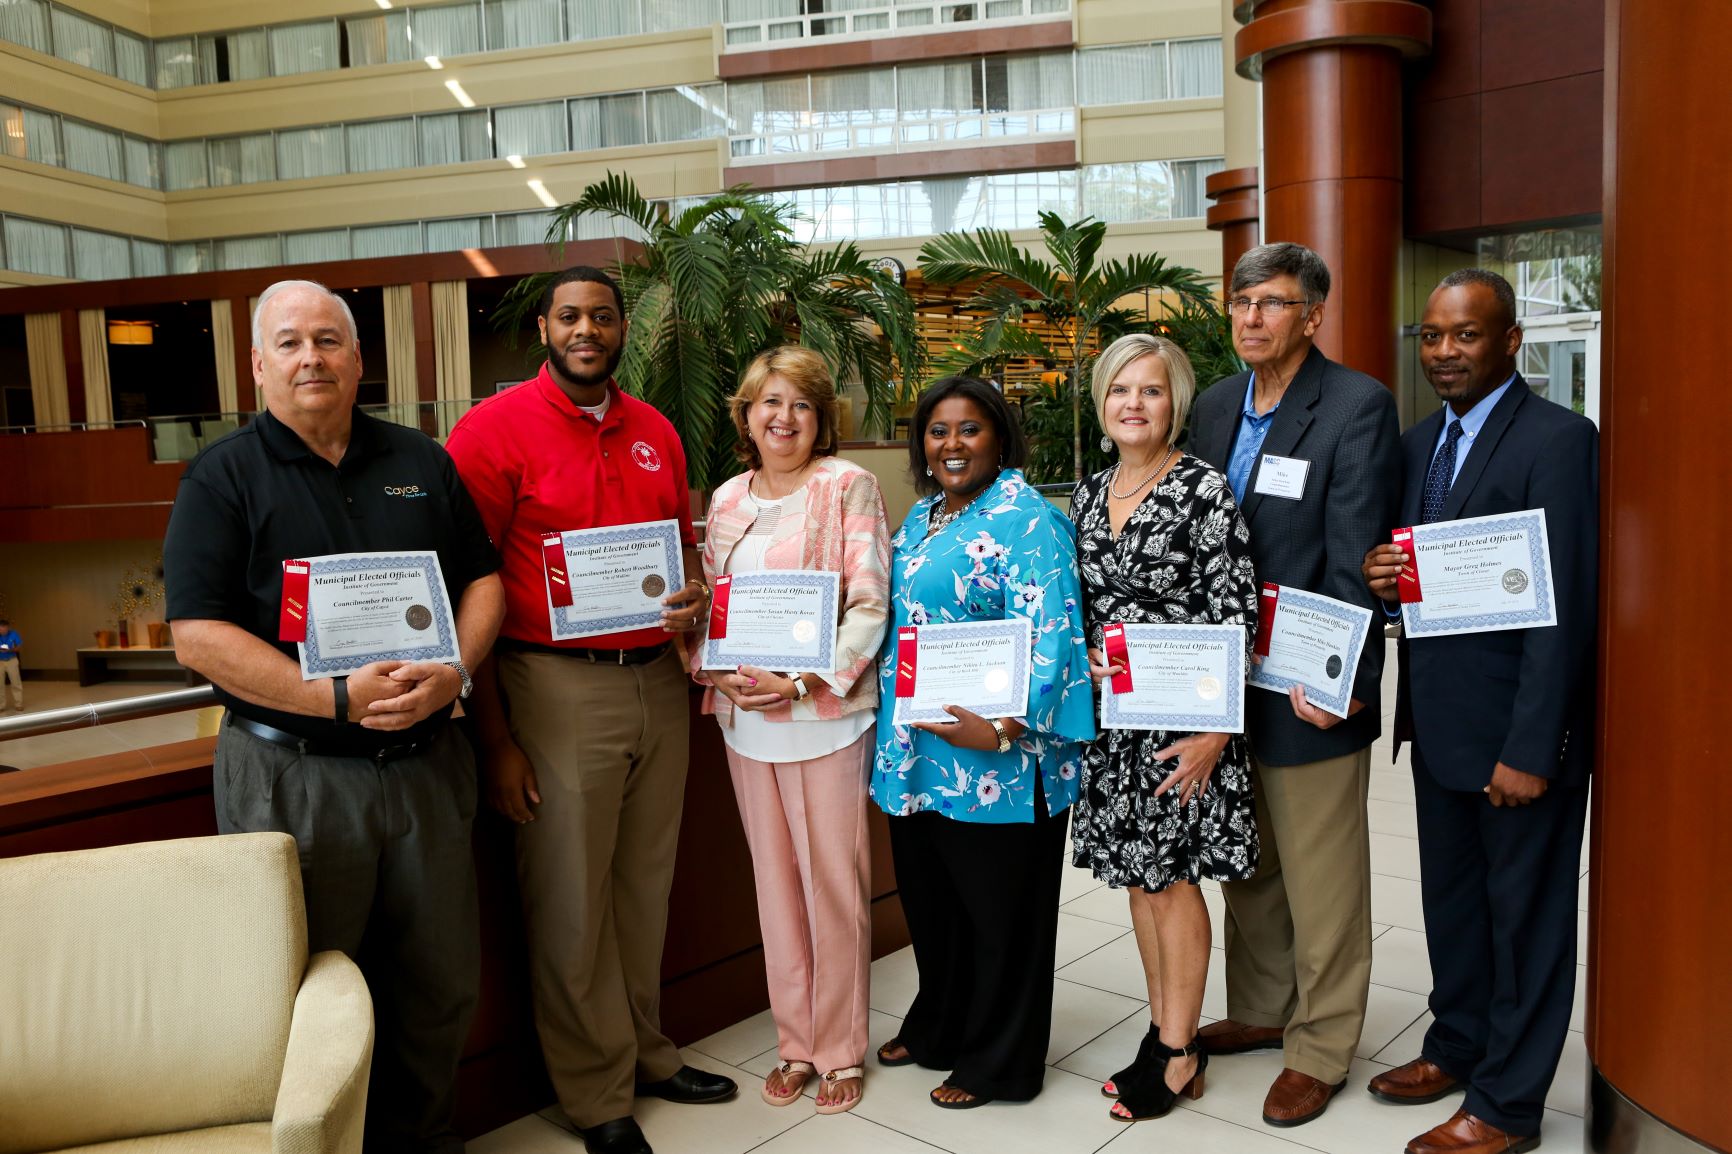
x,y
719,283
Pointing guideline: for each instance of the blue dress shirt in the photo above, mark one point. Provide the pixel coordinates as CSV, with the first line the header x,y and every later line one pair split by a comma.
x,y
1471,424
1249,442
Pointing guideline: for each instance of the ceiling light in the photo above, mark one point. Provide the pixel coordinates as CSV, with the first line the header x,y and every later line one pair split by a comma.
x,y
463,97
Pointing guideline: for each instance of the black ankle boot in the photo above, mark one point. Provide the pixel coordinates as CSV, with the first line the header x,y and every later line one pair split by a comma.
x,y
1148,1096
1132,1071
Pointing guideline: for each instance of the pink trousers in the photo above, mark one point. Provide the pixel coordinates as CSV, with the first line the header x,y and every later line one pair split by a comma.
x,y
811,859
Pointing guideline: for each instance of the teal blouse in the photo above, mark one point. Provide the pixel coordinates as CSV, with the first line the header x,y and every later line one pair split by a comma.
x,y
1010,553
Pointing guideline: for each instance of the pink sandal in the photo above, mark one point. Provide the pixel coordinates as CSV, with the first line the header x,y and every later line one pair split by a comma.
x,y
834,1076
789,1071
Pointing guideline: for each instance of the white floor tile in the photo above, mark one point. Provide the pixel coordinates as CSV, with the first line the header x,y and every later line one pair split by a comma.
x,y
1396,902
880,1028
1569,1092
1395,856
1406,1047
895,981
1387,1013
1390,784
740,1041
1190,1130
1079,935
1217,917
1115,967
1579,1010
1582,893
529,1135
1399,959
1082,1013
842,1134
1074,882
1392,817
1111,1051
1104,904
1069,1117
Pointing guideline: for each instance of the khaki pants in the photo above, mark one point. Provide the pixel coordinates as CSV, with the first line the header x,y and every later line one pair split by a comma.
x,y
608,744
1298,934
12,674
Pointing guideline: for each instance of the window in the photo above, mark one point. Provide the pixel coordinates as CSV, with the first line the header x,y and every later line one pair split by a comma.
x,y
1127,74
312,247
307,152
451,31
32,246
381,144
143,162
30,135
183,165
595,19
309,47
176,62
242,160
25,22
82,40
465,232
684,113
100,255
523,227
382,38
149,258
673,15
774,111
1196,68
386,240
453,137
92,150
523,23
192,256
233,56
533,129
854,109
249,252
603,122
132,58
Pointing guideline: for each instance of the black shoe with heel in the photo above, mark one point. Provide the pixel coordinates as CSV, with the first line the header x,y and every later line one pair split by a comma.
x,y
1148,1096
1130,1073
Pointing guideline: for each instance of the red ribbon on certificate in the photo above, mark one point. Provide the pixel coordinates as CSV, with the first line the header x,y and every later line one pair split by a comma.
x,y
553,557
1407,581
1118,653
292,615
1266,617
907,651
719,607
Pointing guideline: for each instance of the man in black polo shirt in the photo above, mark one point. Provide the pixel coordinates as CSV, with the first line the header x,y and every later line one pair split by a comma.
x,y
366,772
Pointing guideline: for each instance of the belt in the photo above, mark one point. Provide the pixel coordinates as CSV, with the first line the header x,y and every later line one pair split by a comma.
x,y
642,655
289,740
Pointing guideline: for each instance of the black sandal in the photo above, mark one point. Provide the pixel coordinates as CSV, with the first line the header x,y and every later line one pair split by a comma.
x,y
967,1103
1150,1097
907,1058
1131,1072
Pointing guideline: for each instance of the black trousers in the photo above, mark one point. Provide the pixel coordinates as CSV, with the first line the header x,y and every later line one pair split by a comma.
x,y
389,878
981,901
1499,889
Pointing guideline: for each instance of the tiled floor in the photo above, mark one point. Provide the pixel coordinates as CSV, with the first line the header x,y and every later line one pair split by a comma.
x,y
1098,1016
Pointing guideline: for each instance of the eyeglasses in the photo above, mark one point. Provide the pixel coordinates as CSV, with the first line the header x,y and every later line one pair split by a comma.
x,y
1269,307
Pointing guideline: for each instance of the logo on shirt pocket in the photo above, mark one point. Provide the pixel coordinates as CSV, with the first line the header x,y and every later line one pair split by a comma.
x,y
404,491
646,457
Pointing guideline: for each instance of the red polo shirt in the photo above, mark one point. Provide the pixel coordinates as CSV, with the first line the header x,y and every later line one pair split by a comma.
x,y
535,463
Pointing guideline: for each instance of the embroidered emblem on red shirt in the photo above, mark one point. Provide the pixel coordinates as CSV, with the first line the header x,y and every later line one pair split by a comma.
x,y
646,457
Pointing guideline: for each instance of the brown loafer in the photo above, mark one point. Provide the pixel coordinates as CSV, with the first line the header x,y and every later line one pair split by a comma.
x,y
1230,1037
1465,1134
1297,1098
1418,1082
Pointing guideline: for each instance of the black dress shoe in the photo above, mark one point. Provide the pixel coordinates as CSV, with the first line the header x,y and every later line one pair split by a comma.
x,y
620,1136
690,1086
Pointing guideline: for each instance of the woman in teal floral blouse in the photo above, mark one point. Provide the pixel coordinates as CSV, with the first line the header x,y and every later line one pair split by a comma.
x,y
977,807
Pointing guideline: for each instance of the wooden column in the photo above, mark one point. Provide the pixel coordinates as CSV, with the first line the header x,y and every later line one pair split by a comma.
x,y
426,360
1233,215
246,391
1332,100
1659,1002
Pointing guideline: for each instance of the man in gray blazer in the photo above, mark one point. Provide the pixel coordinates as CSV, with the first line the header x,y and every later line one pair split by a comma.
x,y
1312,452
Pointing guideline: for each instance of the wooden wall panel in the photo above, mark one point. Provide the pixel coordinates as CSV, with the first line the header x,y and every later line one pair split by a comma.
x,y
1658,1000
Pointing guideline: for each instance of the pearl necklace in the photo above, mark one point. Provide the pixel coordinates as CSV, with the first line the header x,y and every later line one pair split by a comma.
x,y
1133,489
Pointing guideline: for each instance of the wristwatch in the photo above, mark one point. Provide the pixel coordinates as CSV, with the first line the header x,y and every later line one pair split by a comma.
x,y
468,682
1003,735
801,690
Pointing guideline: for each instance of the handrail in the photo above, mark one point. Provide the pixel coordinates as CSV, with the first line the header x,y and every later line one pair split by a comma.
x,y
891,18
106,712
776,145
73,427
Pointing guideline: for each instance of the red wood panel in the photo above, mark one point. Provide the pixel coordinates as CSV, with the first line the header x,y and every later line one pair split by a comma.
x,y
1526,41
1541,153
1658,1001
72,348
799,56
1443,169
1453,69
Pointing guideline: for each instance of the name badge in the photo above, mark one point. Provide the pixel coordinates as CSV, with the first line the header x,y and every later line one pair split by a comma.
x,y
1282,477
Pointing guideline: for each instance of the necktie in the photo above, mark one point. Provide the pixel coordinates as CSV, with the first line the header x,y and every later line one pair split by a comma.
x,y
1441,476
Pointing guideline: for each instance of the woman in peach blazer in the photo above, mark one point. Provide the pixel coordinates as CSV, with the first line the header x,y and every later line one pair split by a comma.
x,y
799,747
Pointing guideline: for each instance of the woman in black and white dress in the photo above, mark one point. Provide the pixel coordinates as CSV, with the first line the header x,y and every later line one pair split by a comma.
x,y
1160,541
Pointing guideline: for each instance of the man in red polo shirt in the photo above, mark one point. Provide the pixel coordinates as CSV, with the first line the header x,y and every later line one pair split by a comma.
x,y
585,740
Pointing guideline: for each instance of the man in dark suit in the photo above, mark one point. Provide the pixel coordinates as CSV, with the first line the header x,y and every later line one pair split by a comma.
x,y
1310,448
1501,725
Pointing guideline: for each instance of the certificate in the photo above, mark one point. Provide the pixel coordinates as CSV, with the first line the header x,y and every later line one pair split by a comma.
x,y
366,607
1309,640
1477,575
982,666
612,579
1188,678
781,620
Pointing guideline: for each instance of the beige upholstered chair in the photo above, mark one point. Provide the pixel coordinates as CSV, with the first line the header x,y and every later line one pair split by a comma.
x,y
159,997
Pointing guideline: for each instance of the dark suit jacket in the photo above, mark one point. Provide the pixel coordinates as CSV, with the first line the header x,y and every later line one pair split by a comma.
x,y
1345,424
1524,697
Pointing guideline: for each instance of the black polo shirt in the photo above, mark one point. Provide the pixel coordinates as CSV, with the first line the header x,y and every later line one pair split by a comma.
x,y
259,496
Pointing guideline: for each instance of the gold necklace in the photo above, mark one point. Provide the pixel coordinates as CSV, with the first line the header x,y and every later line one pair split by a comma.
x,y
1133,489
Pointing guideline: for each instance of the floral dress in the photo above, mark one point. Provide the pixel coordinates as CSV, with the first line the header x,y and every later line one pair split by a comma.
x,y
1009,554
1183,557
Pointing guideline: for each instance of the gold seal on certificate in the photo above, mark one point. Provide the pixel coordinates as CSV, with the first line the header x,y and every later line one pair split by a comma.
x,y
1478,575
614,578
367,607
778,619
1179,678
